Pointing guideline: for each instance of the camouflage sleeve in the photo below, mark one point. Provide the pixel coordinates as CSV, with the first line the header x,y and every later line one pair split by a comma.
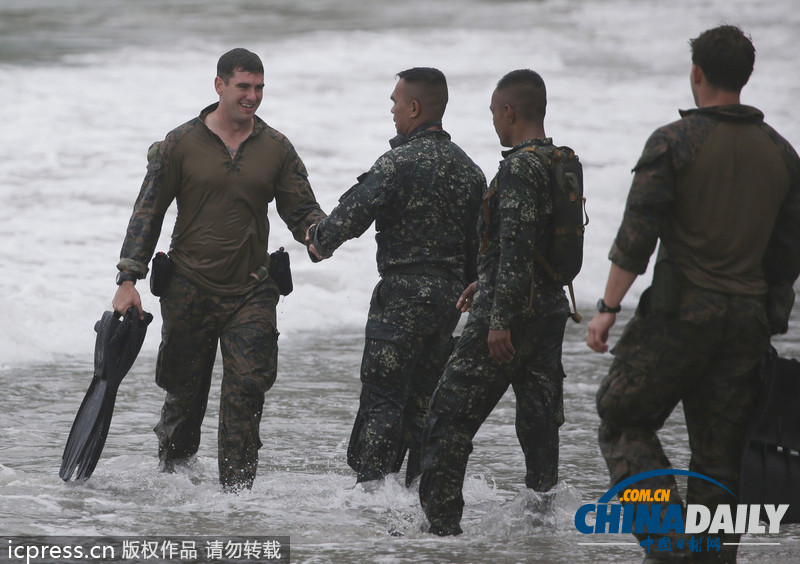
x,y
294,199
471,248
157,193
518,211
357,208
471,237
650,198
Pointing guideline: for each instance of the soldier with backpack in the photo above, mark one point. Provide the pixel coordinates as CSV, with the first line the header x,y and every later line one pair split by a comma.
x,y
518,310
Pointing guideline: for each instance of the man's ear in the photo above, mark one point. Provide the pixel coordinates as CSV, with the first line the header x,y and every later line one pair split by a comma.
x,y
697,75
510,113
218,84
416,108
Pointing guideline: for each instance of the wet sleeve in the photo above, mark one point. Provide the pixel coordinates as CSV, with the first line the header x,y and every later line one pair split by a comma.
x,y
650,199
357,208
157,193
517,233
471,237
294,199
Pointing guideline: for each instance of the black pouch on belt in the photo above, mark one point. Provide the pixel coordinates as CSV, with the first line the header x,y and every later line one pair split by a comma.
x,y
160,273
280,271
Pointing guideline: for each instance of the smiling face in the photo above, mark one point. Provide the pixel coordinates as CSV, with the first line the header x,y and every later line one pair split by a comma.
x,y
240,96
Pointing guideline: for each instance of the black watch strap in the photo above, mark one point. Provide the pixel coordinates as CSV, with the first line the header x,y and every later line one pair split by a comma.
x,y
602,307
125,277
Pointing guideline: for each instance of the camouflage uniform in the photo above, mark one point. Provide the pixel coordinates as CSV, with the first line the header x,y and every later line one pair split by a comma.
x,y
520,207
686,342
220,237
194,322
424,198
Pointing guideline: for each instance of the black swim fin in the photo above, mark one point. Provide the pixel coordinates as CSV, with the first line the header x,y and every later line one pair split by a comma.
x,y
116,347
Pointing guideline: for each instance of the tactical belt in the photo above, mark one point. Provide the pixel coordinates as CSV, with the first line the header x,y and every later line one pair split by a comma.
x,y
420,269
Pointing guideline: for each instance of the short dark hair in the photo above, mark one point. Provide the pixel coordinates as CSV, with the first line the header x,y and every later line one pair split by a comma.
x,y
528,93
430,87
238,60
726,56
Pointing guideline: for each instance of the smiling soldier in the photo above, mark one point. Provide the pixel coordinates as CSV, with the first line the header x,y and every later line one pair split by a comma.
x,y
223,168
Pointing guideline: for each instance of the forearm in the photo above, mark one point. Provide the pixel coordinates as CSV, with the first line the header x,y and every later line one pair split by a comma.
x,y
155,196
144,230
471,257
617,286
340,226
303,215
357,210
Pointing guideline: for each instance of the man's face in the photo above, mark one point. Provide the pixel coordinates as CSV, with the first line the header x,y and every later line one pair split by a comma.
x,y
498,107
403,108
240,97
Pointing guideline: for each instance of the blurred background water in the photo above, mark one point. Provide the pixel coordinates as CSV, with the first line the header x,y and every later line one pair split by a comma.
x,y
87,86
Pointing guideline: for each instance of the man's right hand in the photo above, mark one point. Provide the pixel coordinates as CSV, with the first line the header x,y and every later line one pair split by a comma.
x,y
464,303
597,334
310,244
127,295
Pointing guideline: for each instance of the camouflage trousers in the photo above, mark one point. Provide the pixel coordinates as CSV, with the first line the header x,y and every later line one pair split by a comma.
x,y
194,322
468,391
409,336
705,357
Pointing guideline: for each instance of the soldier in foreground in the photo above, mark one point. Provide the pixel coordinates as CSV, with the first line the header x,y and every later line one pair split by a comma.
x,y
720,189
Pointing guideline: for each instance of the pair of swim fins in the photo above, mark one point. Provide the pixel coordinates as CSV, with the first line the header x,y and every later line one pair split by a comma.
x,y
117,345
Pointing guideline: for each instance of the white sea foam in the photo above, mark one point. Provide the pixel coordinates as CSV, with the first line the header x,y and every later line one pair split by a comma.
x,y
72,153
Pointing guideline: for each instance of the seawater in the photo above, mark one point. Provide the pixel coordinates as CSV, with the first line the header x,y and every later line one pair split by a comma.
x,y
87,87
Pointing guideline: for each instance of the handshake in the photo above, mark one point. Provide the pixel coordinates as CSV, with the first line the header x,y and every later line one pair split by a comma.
x,y
315,254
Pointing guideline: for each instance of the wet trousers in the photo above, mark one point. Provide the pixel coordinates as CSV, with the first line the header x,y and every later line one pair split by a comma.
x,y
194,323
409,337
468,391
705,357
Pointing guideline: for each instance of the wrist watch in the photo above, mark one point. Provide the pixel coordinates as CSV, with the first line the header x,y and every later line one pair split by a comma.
x,y
125,277
602,307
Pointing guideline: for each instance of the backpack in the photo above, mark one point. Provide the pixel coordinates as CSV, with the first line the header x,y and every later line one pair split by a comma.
x,y
563,258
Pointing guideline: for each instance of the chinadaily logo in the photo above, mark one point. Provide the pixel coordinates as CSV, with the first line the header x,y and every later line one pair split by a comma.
x,y
695,528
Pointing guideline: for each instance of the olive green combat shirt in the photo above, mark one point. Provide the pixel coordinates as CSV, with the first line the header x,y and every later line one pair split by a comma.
x,y
221,231
721,189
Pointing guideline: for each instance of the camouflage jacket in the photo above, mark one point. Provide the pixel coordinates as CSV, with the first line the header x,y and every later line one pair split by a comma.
x,y
221,231
721,189
424,197
519,206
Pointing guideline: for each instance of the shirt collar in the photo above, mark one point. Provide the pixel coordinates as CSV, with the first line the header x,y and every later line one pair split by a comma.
x,y
401,139
543,141
731,112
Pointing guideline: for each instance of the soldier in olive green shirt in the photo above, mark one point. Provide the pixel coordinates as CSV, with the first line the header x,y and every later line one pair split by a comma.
x,y
223,168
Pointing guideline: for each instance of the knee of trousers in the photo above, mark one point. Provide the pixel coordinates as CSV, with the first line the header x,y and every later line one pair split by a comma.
x,y
616,399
